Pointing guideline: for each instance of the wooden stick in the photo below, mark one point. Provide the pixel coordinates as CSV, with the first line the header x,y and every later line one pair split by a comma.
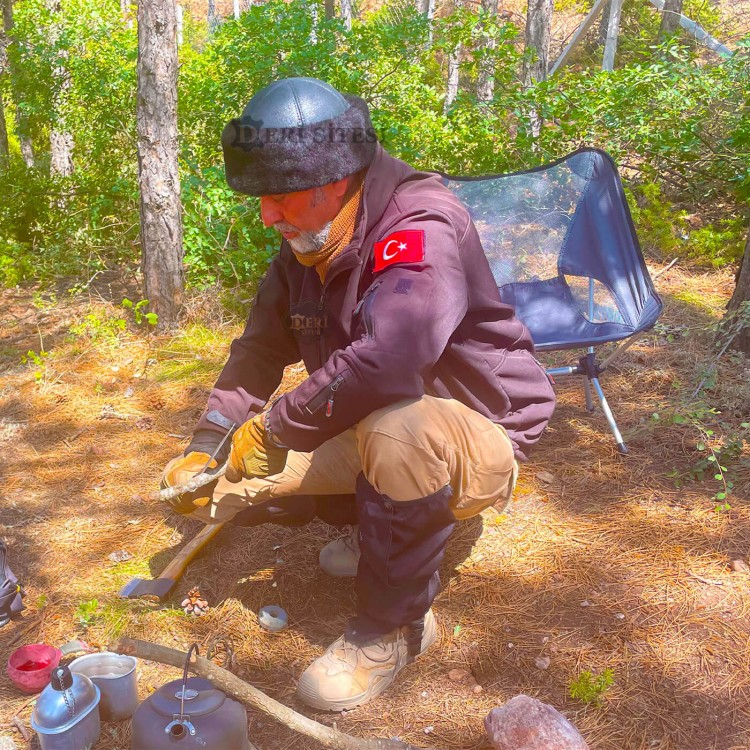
x,y
622,347
665,269
251,696
192,484
21,728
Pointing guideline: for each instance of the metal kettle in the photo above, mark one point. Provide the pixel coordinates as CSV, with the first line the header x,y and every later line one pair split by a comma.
x,y
189,713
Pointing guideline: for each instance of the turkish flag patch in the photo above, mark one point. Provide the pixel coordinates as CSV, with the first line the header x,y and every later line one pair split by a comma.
x,y
406,246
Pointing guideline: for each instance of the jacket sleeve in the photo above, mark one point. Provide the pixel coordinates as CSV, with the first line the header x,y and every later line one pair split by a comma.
x,y
402,325
257,358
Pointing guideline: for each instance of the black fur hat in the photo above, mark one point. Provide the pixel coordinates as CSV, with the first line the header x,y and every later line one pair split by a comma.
x,y
296,134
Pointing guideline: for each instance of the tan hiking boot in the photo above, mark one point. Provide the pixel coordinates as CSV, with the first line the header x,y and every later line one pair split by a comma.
x,y
348,675
340,557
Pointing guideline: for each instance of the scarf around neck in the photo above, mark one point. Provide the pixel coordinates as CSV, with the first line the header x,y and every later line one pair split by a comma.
x,y
340,235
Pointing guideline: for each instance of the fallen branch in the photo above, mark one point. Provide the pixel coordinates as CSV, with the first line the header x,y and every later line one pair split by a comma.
x,y
21,728
665,269
251,696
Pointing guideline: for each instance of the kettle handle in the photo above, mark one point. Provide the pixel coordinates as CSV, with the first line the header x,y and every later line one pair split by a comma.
x,y
193,647
180,722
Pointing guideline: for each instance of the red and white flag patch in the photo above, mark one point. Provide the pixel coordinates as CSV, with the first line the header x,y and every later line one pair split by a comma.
x,y
406,246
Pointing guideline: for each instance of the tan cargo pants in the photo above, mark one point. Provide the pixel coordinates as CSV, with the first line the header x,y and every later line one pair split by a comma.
x,y
407,451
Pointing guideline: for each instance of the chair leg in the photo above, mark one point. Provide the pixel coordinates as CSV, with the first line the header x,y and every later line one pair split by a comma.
x,y
621,447
587,393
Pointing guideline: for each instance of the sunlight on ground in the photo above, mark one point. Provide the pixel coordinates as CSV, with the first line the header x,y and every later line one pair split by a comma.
x,y
599,562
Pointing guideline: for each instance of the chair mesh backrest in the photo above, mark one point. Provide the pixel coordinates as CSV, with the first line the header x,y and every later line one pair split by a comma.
x,y
563,250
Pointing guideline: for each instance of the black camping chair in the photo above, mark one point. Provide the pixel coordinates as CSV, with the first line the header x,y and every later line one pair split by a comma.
x,y
11,593
563,250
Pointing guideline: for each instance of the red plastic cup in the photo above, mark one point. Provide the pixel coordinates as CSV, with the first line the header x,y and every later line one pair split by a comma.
x,y
30,667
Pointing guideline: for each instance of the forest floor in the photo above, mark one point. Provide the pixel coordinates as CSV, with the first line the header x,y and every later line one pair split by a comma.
x,y
600,563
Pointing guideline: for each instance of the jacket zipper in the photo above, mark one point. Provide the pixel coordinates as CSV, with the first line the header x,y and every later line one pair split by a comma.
x,y
334,387
337,267
321,338
325,396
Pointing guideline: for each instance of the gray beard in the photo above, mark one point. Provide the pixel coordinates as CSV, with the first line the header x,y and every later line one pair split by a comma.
x,y
310,242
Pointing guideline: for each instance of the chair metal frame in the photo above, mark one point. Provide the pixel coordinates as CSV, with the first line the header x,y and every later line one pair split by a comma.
x,y
590,370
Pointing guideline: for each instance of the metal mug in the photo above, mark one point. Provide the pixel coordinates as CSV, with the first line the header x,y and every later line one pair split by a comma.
x,y
114,675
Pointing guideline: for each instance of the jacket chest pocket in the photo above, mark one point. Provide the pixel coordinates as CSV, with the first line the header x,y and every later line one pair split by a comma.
x,y
364,308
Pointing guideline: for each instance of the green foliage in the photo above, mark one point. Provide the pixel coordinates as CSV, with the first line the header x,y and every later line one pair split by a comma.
x,y
590,688
667,231
679,124
717,443
573,6
38,362
717,244
719,450
98,326
86,613
139,312
56,226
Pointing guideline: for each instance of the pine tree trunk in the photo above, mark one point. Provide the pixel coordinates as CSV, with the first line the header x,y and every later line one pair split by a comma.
x,y
4,150
126,15
60,139
22,123
61,153
742,295
452,86
538,23
313,5
330,9
613,34
428,11
670,18
347,13
156,116
486,77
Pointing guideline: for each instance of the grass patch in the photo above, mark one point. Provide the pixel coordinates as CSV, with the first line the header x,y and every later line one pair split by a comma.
x,y
711,303
590,688
177,371
197,337
120,574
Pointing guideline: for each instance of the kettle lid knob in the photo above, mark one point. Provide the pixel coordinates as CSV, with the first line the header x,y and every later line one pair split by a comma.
x,y
61,679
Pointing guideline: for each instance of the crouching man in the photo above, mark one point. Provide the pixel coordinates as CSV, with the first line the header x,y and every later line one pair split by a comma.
x,y
423,391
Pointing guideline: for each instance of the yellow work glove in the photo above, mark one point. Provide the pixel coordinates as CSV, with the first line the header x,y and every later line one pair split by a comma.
x,y
254,454
180,470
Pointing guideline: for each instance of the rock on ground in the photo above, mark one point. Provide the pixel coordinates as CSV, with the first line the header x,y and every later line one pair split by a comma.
x,y
525,723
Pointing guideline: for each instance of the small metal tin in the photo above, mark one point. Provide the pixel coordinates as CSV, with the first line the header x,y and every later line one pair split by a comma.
x,y
114,675
273,618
